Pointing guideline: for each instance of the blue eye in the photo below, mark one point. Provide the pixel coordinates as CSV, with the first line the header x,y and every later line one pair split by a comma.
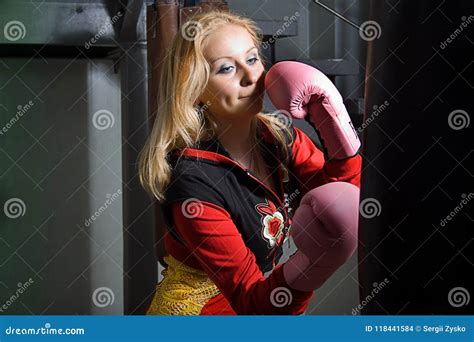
x,y
254,59
225,70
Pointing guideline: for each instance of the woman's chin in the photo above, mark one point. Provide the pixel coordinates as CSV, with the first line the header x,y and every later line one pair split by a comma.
x,y
256,107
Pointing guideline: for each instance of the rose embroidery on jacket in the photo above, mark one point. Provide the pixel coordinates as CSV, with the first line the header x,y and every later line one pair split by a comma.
x,y
273,223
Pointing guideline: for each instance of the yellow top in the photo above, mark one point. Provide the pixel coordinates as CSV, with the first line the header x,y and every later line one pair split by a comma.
x,y
183,291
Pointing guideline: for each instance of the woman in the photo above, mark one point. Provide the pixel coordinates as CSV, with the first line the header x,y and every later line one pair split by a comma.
x,y
228,176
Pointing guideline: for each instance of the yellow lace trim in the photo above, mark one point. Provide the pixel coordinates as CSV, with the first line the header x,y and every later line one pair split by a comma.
x,y
183,291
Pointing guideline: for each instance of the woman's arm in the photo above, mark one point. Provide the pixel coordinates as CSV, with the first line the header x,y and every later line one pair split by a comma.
x,y
214,240
311,170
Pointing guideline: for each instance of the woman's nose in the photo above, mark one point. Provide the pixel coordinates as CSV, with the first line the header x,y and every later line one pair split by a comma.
x,y
250,76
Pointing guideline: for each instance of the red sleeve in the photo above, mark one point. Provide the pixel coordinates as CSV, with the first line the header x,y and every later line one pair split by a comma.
x,y
214,240
311,170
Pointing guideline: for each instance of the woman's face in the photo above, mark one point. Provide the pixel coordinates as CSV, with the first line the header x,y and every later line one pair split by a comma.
x,y
236,81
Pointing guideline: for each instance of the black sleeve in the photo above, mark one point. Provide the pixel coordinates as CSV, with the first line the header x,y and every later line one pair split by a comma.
x,y
192,184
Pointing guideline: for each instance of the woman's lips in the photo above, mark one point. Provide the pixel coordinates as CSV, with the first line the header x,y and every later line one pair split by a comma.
x,y
253,95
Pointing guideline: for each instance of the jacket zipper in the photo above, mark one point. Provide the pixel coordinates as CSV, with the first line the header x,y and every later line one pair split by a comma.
x,y
270,191
267,189
282,206
250,173
274,195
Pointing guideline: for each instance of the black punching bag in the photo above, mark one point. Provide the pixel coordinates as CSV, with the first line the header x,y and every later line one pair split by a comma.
x,y
417,193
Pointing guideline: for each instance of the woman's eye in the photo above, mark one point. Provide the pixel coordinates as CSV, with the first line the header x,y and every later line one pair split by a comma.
x,y
253,60
225,70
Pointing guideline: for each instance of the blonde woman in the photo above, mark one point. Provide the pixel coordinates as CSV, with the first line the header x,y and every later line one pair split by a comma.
x,y
228,176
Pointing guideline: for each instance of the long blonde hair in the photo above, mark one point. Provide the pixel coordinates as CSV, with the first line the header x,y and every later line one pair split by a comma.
x,y
179,122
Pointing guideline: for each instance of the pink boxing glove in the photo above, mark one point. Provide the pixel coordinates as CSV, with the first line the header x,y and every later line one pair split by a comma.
x,y
301,89
325,231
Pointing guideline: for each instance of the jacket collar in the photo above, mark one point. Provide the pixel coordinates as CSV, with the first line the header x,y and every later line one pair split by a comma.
x,y
212,150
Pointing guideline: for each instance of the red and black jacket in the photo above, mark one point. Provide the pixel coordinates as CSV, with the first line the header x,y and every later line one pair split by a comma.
x,y
222,219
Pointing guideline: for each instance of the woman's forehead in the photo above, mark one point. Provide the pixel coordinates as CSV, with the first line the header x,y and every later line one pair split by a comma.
x,y
228,41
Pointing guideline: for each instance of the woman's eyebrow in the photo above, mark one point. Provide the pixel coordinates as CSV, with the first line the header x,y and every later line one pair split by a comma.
x,y
253,47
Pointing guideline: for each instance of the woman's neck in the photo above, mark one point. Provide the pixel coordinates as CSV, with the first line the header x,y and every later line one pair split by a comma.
x,y
238,138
